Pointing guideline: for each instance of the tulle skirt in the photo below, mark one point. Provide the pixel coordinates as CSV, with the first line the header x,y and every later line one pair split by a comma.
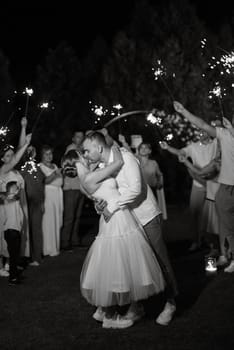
x,y
120,266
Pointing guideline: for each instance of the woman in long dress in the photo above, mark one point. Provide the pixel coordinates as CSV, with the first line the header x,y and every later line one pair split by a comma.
x,y
53,214
210,219
152,175
120,266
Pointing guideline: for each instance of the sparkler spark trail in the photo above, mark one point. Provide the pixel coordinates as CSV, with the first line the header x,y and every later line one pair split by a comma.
x,y
29,93
159,72
43,107
30,166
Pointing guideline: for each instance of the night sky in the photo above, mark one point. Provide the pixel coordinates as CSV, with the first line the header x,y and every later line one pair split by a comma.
x,y
29,29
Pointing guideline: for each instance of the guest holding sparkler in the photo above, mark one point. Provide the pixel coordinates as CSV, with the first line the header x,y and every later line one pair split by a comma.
x,y
35,192
9,219
225,196
9,160
53,214
210,217
201,153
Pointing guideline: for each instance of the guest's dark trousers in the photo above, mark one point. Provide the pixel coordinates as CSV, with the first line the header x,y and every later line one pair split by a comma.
x,y
35,221
73,203
153,231
13,239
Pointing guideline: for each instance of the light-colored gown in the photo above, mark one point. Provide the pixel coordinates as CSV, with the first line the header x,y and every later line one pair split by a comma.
x,y
150,177
14,175
120,267
53,215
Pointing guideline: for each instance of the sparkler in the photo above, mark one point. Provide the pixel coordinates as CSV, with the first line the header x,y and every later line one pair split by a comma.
x,y
3,130
124,115
217,91
43,107
29,93
159,72
30,166
9,119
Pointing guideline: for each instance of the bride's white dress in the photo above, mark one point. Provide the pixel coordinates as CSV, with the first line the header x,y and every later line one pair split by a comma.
x,y
120,266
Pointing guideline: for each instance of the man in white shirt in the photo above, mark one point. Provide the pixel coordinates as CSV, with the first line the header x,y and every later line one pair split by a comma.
x,y
77,139
138,196
201,153
225,196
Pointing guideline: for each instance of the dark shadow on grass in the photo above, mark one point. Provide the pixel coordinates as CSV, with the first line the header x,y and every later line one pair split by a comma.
x,y
190,273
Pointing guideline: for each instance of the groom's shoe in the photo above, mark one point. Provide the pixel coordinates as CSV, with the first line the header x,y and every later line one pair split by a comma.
x,y
166,315
99,314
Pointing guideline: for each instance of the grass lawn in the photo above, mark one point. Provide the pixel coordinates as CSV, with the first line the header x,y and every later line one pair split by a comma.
x,y
48,312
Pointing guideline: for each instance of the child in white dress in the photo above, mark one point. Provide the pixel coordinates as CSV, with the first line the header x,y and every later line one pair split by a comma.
x,y
12,228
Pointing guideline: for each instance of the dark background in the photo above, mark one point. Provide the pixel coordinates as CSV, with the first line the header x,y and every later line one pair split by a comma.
x,y
29,29
104,52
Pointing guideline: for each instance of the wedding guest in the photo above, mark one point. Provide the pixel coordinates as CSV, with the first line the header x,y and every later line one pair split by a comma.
x,y
201,153
12,228
73,200
77,139
35,192
9,210
210,220
225,196
152,175
9,160
53,212
4,256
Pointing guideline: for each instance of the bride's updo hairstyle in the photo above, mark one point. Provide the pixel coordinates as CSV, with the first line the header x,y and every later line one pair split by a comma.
x,y
68,163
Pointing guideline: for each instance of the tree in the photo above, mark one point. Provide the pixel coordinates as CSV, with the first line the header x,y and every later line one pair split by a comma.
x,y
60,83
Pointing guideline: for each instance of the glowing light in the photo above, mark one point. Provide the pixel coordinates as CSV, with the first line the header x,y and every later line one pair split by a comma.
x,y
217,91
159,71
3,130
169,137
153,119
99,111
44,105
118,106
211,265
28,91
203,43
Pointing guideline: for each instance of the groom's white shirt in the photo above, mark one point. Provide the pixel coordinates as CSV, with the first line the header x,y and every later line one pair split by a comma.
x,y
133,190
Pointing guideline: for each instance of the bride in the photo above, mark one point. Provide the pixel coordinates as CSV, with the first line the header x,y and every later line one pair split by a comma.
x,y
120,266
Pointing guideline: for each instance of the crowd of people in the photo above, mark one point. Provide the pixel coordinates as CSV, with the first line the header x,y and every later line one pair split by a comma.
x,y
41,206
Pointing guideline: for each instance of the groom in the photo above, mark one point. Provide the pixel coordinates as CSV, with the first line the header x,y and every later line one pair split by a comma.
x,y
137,195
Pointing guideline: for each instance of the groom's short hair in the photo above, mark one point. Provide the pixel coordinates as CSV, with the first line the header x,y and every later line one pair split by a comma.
x,y
96,136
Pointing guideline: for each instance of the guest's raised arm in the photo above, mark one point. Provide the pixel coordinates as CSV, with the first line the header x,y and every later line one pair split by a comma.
x,y
200,123
17,156
22,138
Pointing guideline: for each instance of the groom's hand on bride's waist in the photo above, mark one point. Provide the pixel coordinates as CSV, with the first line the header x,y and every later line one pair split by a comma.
x,y
100,205
107,214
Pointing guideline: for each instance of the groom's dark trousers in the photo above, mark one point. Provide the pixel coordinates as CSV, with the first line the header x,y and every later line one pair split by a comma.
x,y
153,230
